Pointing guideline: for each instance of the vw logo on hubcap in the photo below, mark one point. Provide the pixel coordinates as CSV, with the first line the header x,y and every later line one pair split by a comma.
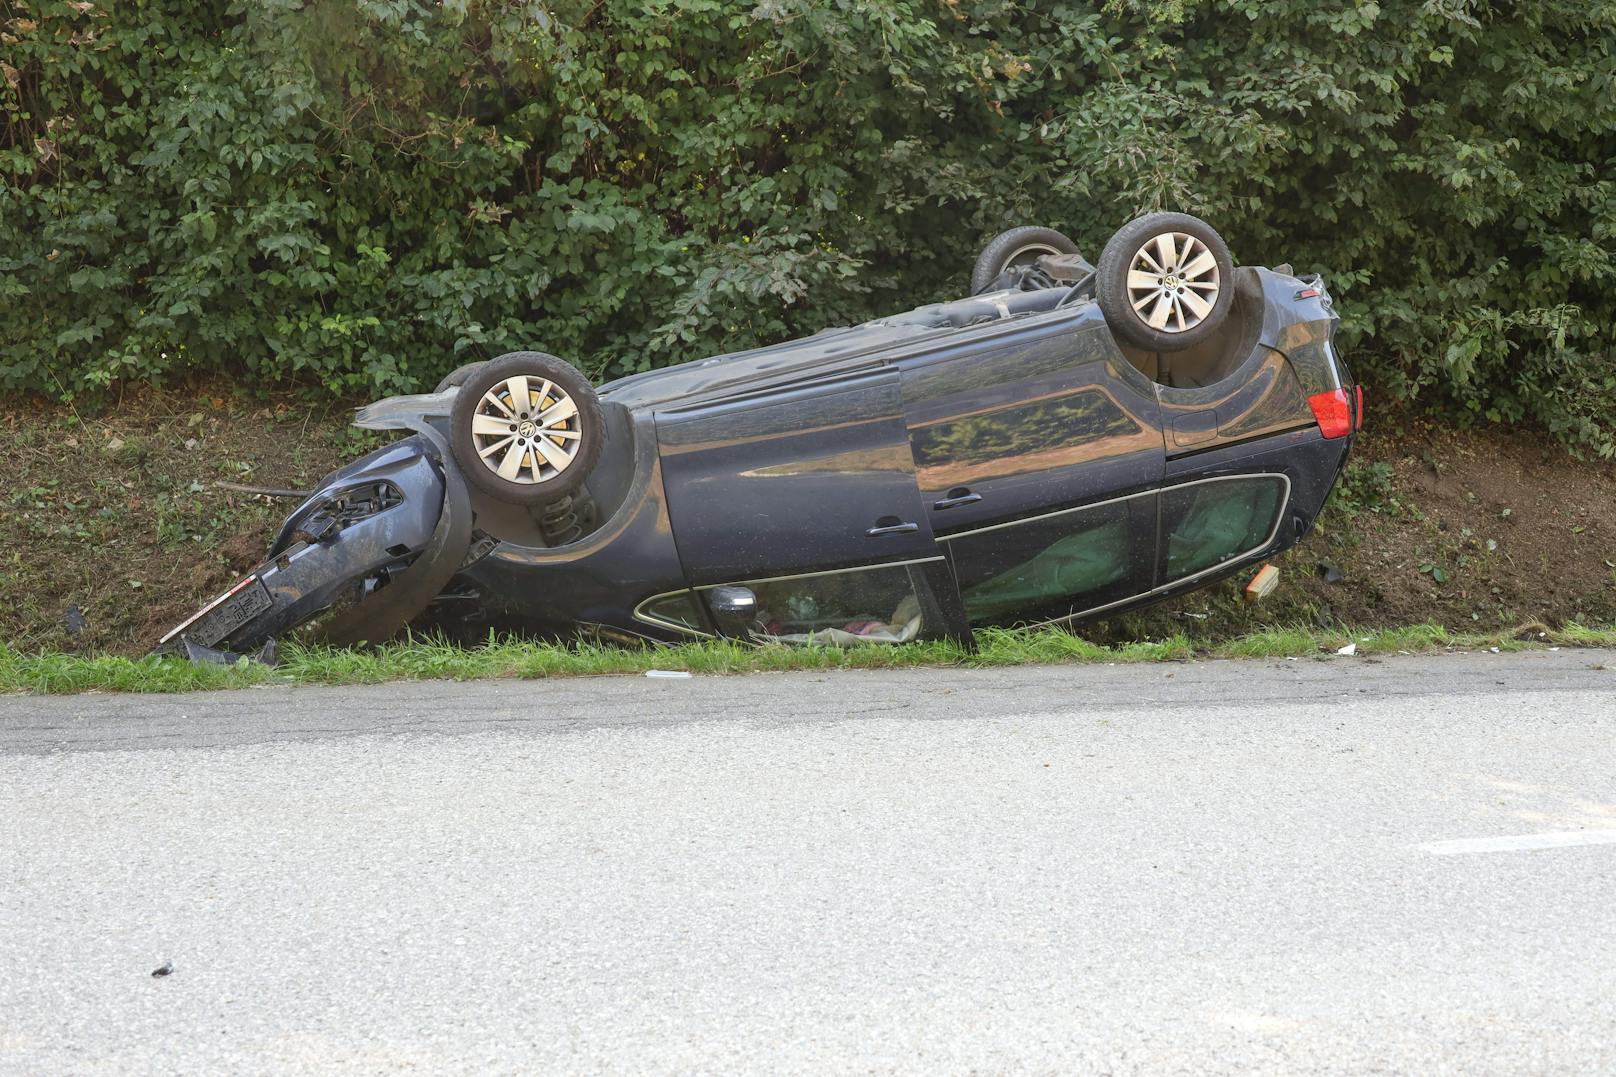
x,y
527,428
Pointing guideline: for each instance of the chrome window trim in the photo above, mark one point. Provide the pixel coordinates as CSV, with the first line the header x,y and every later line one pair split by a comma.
x,y
652,619
822,572
1048,515
1273,533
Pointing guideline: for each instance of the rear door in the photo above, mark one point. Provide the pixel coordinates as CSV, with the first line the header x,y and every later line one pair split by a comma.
x,y
812,483
1038,421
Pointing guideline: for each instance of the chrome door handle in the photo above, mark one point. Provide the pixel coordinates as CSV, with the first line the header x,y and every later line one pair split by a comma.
x,y
961,499
893,529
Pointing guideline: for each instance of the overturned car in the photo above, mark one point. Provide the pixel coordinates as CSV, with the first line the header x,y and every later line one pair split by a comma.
x,y
1072,439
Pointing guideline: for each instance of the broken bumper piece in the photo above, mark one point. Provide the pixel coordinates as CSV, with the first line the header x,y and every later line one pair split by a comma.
x,y
379,537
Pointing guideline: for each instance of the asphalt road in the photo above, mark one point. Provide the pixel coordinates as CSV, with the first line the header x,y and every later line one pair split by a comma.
x,y
1341,866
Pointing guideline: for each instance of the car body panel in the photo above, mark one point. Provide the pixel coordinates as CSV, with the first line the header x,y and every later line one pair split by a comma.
x,y
1054,417
793,482
1263,397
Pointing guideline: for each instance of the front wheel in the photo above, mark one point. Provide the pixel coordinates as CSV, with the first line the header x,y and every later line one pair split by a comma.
x,y
1165,282
526,428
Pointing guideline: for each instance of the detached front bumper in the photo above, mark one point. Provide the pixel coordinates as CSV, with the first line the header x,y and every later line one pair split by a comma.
x,y
383,535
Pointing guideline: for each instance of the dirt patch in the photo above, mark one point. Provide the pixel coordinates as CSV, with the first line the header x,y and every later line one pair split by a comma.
x,y
115,528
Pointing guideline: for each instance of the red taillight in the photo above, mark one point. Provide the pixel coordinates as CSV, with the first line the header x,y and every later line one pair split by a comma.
x,y
1308,293
1333,409
1359,390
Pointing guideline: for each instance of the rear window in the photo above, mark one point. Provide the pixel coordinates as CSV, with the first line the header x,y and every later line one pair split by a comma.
x,y
1206,524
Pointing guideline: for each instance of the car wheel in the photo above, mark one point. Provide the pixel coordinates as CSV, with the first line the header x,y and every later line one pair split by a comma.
x,y
458,376
526,428
1165,282
1019,246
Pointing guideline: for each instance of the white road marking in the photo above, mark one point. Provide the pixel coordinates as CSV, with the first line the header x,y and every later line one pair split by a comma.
x,y
1519,842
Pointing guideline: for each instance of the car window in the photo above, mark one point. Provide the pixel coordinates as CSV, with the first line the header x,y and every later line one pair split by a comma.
x,y
884,604
1046,433
1205,524
1051,566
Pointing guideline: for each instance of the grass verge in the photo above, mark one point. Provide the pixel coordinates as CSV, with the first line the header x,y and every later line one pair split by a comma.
x,y
432,660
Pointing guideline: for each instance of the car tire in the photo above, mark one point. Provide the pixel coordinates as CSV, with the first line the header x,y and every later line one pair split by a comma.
x,y
1144,299
502,444
458,375
1019,246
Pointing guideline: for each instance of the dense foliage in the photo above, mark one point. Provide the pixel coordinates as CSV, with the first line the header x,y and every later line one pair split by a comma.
x,y
361,194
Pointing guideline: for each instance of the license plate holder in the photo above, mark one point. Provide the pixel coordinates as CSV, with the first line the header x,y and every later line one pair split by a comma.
x,y
219,618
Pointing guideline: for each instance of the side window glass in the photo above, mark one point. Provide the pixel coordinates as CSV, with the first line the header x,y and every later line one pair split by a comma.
x,y
885,604
1042,434
1205,524
1050,567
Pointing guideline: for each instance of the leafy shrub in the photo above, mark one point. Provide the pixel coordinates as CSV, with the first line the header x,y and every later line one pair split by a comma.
x,y
359,195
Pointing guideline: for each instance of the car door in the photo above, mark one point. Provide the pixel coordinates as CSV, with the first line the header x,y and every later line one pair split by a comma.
x,y
808,498
1042,419
1038,456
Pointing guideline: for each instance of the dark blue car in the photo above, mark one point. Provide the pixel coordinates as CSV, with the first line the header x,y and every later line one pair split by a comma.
x,y
1071,439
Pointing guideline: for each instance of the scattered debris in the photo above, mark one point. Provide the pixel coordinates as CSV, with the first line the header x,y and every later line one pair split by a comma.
x,y
1349,650
166,969
266,491
74,622
666,673
1262,584
1330,572
268,654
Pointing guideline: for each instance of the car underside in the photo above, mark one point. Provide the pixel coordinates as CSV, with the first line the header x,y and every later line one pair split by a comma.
x,y
1070,440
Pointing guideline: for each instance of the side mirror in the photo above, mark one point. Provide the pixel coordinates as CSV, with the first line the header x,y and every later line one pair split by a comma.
x,y
732,606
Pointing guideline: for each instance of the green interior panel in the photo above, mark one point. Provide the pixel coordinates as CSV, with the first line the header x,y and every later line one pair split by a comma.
x,y
1212,522
1074,565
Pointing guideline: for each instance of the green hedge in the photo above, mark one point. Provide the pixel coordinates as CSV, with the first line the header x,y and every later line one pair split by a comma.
x,y
361,195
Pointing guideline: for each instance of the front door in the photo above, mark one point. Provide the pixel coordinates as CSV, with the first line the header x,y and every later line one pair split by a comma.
x,y
809,484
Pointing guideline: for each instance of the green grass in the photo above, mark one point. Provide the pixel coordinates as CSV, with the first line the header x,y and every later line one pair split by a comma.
x,y
432,660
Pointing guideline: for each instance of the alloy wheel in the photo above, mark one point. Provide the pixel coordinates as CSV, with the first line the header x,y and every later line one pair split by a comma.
x,y
1173,282
526,430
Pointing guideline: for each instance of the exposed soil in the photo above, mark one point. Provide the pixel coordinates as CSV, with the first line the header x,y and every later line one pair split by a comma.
x,y
116,530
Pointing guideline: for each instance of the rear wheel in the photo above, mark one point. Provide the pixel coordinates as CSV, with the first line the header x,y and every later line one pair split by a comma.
x,y
1017,247
458,375
526,428
1165,282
